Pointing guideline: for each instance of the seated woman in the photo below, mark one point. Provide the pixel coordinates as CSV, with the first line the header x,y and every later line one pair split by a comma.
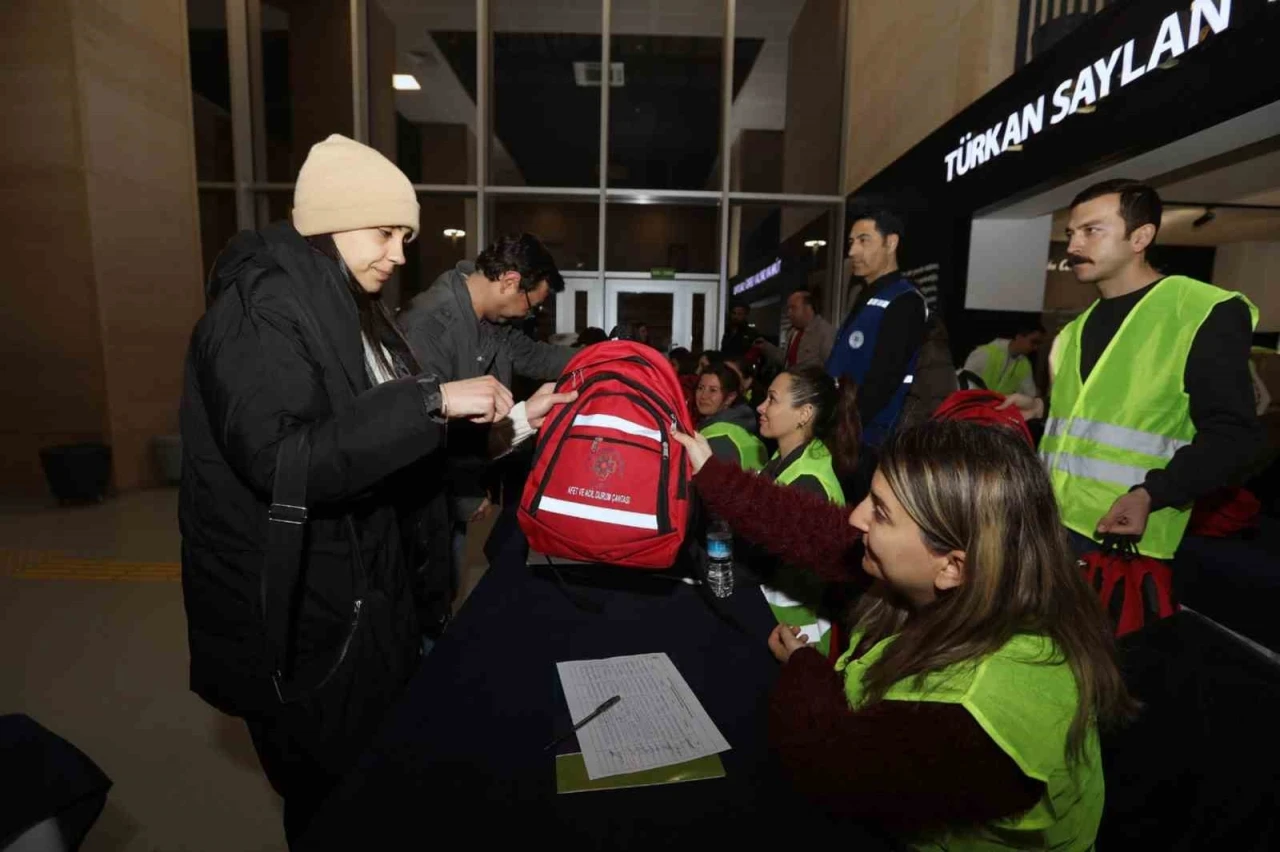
x,y
725,422
965,714
816,427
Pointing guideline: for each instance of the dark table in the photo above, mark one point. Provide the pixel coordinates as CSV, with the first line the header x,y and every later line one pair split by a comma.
x,y
1200,766
462,756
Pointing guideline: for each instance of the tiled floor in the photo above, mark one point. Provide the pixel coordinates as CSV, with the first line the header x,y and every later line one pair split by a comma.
x,y
93,646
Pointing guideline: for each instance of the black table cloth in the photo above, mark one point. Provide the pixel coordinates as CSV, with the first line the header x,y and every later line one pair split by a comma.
x,y
461,758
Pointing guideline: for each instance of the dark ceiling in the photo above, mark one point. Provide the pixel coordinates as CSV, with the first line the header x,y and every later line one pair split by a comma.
x,y
663,123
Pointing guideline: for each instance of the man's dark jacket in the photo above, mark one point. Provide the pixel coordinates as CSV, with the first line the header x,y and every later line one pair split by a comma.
x,y
452,344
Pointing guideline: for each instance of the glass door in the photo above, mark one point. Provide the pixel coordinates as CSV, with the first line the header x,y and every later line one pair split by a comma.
x,y
581,305
679,312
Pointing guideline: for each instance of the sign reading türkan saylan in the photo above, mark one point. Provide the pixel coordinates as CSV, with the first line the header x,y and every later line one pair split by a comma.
x,y
1092,84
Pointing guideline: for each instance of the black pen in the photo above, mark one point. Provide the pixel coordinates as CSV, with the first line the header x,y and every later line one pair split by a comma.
x,y
594,713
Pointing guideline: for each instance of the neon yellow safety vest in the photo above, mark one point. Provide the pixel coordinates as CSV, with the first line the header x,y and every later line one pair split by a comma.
x,y
792,593
815,461
1024,696
994,375
1132,414
751,451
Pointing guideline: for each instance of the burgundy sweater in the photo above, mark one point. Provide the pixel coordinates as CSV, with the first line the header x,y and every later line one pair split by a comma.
x,y
908,766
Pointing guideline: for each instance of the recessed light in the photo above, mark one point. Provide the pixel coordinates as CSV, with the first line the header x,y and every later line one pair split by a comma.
x,y
405,82
454,233
814,243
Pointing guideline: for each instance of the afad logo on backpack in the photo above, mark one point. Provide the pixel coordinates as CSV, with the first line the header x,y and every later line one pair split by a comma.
x,y
608,483
604,462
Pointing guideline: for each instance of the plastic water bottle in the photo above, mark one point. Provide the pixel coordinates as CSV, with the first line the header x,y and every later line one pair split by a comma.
x,y
719,558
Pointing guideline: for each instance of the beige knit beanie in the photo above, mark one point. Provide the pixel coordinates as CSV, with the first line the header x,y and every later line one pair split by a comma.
x,y
344,186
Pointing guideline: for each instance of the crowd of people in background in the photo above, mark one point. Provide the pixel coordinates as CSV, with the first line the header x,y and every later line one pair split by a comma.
x,y
932,623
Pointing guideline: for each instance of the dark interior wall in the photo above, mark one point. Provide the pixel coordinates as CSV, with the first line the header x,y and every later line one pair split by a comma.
x,y
639,236
319,73
642,236
432,252
569,229
757,161
815,71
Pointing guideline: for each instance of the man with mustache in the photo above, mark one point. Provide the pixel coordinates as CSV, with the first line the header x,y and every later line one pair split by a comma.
x,y
1151,404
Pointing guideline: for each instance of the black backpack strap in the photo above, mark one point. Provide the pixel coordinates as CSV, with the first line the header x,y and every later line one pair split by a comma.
x,y
1120,544
286,538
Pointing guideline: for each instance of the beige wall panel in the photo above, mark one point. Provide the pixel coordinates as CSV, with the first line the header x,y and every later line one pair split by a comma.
x,y
914,64
53,383
1252,269
137,125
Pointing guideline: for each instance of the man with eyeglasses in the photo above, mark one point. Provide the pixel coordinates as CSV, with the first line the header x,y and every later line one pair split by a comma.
x,y
468,324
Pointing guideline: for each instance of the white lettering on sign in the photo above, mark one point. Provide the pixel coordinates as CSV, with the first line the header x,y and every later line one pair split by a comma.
x,y
575,491
759,278
1094,82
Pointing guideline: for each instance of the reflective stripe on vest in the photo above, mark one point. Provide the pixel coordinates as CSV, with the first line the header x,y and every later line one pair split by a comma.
x,y
1024,696
1121,437
1103,471
1105,434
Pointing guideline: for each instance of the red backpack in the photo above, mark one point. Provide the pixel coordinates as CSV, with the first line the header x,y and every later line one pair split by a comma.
x,y
608,483
1134,589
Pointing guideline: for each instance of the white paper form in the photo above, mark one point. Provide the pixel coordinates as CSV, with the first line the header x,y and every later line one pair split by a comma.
x,y
658,722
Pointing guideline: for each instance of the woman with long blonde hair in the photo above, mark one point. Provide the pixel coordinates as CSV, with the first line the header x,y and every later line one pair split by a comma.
x,y
964,714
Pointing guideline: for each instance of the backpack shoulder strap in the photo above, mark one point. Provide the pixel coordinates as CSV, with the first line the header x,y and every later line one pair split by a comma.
x,y
286,533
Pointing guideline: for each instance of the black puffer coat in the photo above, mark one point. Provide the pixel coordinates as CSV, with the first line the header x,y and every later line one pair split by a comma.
x,y
259,368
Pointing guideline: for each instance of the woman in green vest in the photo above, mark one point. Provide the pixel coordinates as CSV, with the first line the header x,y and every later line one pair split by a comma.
x,y
817,429
965,714
728,424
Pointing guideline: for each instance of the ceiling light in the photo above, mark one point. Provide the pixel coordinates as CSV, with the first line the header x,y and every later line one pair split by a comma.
x,y
454,233
1205,218
814,244
405,82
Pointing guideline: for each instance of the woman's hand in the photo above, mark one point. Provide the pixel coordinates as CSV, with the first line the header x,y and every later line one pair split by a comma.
x,y
785,640
538,406
696,446
480,400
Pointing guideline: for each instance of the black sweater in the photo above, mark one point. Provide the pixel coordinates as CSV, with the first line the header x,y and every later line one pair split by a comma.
x,y
1228,433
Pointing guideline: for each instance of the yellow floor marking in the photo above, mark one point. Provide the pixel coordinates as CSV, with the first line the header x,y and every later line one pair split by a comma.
x,y
47,565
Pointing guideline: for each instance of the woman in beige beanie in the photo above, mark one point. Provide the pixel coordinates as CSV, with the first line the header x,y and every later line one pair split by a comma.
x,y
302,408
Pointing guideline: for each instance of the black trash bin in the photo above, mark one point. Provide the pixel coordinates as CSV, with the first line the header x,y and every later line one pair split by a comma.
x,y
77,473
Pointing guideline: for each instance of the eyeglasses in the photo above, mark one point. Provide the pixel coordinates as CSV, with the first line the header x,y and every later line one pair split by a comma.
x,y
533,310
